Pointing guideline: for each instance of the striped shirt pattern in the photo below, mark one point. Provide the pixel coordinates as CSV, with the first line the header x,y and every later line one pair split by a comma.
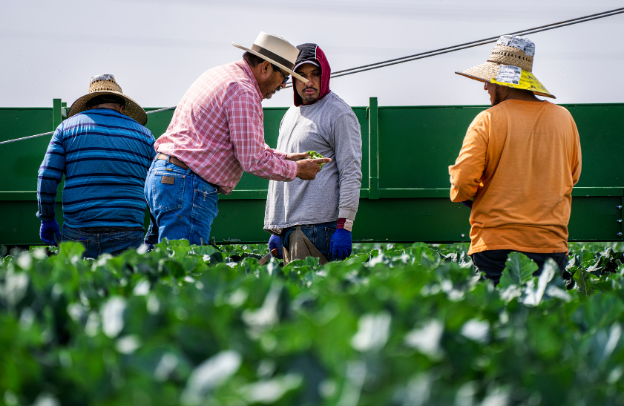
x,y
217,130
105,157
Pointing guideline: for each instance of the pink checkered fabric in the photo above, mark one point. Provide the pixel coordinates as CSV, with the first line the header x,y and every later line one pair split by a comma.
x,y
217,130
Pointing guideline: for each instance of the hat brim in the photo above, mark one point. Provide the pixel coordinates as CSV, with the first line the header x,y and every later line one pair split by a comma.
x,y
132,109
304,62
487,73
296,75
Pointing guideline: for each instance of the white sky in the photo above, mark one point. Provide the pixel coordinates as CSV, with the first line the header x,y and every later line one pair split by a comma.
x,y
157,48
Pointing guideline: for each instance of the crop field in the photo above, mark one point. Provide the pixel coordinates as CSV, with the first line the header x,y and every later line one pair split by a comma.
x,y
391,325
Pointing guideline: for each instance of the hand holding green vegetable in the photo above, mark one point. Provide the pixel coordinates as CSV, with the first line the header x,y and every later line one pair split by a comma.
x,y
316,155
308,168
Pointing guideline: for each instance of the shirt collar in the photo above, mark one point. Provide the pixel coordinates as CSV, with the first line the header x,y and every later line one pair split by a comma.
x,y
245,67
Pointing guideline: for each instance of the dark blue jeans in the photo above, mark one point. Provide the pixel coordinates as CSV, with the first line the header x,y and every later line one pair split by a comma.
x,y
182,204
98,243
319,234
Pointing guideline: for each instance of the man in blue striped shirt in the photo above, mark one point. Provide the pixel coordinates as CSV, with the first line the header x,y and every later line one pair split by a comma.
x,y
104,151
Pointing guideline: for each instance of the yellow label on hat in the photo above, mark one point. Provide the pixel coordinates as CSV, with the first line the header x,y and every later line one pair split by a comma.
x,y
527,82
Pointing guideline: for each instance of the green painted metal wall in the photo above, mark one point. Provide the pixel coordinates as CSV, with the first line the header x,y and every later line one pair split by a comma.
x,y
405,187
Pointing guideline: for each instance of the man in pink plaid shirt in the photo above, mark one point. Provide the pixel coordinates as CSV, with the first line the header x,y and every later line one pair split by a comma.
x,y
215,135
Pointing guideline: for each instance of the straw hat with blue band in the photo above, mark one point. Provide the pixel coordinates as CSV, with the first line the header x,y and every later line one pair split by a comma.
x,y
105,84
275,50
511,65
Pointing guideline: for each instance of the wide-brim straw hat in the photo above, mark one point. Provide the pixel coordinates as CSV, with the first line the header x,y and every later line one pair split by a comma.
x,y
511,65
106,84
275,50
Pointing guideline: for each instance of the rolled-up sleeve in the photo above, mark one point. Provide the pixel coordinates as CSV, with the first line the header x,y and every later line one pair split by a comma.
x,y
468,170
244,115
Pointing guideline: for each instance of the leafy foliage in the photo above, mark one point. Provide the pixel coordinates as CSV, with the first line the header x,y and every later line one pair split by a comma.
x,y
582,279
519,270
391,325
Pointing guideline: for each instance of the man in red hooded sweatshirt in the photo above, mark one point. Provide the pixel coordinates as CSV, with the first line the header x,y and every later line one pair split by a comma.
x,y
315,218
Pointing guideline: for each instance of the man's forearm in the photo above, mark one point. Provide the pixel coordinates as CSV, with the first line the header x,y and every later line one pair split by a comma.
x,y
350,184
462,188
49,179
270,166
46,199
349,159
462,193
50,175
349,203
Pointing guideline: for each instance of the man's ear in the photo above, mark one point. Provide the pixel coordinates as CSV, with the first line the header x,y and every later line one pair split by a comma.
x,y
265,68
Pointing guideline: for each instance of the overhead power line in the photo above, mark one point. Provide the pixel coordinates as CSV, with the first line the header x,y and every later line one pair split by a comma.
x,y
27,138
472,44
52,132
422,55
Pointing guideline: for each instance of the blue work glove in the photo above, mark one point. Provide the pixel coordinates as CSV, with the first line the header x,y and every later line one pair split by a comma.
x,y
276,243
47,232
340,244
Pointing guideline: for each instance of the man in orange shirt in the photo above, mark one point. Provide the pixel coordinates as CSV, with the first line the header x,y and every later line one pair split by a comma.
x,y
518,164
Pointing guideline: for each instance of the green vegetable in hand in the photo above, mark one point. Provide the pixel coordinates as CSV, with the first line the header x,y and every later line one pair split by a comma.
x,y
315,155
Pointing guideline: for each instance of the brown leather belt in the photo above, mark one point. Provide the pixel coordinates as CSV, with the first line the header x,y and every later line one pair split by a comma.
x,y
173,160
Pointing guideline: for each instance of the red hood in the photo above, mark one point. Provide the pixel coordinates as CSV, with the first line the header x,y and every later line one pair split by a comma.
x,y
312,53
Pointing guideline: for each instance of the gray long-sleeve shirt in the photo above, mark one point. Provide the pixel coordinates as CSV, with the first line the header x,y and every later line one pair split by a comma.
x,y
330,128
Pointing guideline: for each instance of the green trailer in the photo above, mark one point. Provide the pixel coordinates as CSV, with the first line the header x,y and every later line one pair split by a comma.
x,y
405,185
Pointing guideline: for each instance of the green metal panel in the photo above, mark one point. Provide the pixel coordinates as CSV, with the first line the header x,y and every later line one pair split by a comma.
x,y
601,127
404,196
373,153
157,123
21,160
20,226
417,144
57,112
595,218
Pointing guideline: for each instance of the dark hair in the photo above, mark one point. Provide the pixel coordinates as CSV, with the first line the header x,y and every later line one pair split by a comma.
x,y
252,60
106,98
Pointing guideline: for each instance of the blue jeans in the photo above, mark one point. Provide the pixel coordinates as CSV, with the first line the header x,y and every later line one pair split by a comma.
x,y
319,234
183,204
98,243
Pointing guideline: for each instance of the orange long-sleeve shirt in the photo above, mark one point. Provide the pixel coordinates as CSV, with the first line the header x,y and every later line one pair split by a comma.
x,y
519,160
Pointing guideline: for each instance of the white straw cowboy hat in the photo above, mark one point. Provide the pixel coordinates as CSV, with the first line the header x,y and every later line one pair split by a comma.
x,y
275,50
103,85
511,65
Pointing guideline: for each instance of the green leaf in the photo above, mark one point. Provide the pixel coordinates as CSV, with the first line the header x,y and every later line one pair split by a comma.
x,y
583,283
519,270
